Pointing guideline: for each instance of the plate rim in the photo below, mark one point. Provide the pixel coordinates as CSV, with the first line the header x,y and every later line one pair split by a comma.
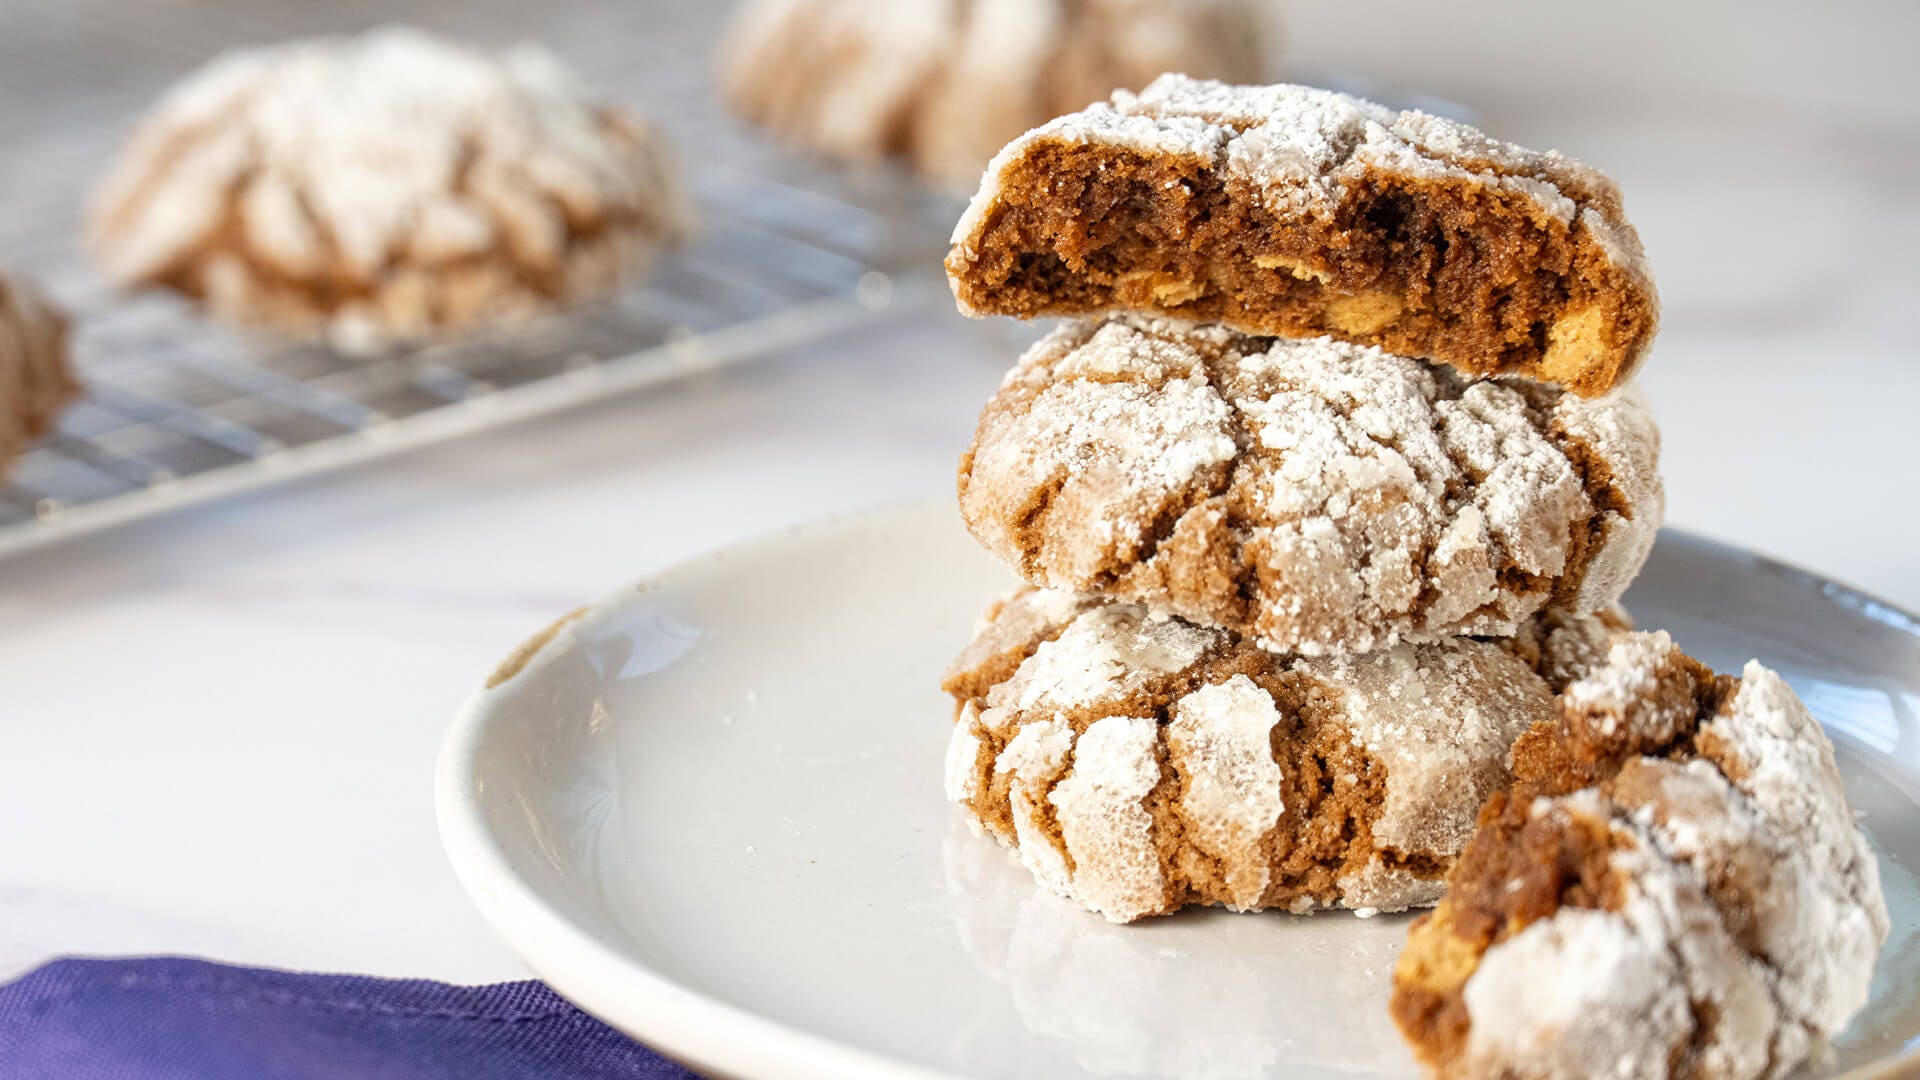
x,y
669,1017
697,1028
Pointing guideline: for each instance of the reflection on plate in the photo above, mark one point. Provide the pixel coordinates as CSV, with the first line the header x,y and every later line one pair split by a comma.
x,y
1125,1004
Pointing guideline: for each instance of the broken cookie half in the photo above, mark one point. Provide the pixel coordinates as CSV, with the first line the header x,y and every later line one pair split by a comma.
x,y
1293,211
1675,884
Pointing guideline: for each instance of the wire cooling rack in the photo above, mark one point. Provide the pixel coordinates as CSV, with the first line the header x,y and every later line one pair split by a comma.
x,y
178,410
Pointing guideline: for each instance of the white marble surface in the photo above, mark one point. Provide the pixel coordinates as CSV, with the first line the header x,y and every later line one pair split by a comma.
x,y
218,729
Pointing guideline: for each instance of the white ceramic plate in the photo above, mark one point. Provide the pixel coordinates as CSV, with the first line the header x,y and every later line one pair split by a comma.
x,y
708,810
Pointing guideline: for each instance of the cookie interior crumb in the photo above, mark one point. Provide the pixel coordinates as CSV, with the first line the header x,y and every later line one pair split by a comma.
x,y
1298,212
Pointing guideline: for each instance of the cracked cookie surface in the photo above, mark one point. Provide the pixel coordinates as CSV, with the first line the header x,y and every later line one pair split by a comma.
x,y
1138,763
1674,884
1316,496
35,379
944,84
1298,212
381,188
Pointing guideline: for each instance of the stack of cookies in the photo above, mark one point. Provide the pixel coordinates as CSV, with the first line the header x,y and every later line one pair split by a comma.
x,y
1325,497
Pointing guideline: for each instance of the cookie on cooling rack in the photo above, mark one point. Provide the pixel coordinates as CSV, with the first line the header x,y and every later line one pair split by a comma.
x,y
384,188
35,379
944,85
1314,495
1675,887
1139,763
1294,211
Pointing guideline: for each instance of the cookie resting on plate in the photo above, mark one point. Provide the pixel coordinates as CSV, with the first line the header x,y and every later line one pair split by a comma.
x,y
944,84
389,187
1674,887
1298,212
35,379
1314,495
1139,763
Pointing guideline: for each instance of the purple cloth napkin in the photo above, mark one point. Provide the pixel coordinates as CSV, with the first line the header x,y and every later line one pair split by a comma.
x,y
166,1018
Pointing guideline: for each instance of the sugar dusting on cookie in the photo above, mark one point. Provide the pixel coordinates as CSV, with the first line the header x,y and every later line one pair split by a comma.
x,y
1221,773
1220,739
1321,496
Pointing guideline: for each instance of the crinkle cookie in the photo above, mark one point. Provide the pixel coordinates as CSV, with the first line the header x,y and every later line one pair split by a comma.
x,y
1139,763
35,380
1314,495
1675,887
1299,212
945,83
386,187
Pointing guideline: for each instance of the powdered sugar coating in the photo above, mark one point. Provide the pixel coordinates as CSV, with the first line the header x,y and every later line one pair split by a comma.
x,y
962,780
1101,653
35,380
1623,990
1622,702
1821,940
1526,977
1221,738
1748,895
1319,496
1138,763
1104,823
944,83
1441,720
386,186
